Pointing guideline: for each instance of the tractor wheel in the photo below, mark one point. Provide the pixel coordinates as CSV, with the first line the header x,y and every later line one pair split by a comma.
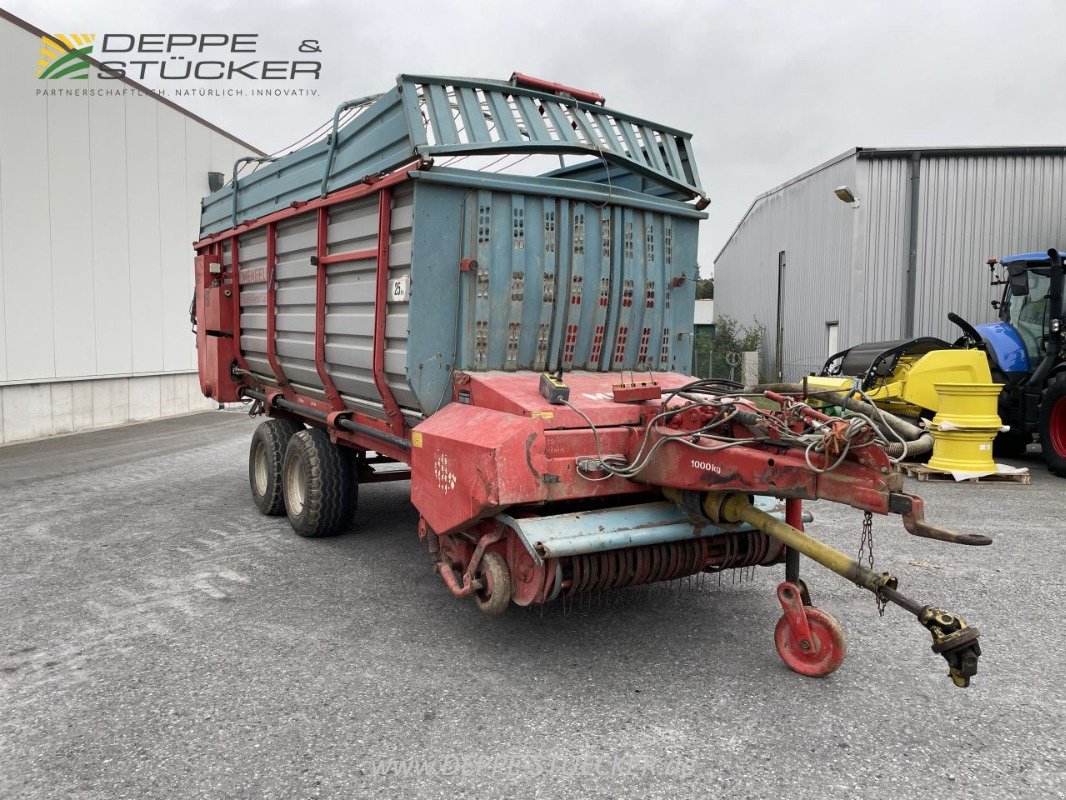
x,y
317,481
1010,444
1053,424
264,463
495,594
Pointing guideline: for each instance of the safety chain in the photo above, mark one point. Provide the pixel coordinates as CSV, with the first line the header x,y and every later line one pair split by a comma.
x,y
867,541
866,548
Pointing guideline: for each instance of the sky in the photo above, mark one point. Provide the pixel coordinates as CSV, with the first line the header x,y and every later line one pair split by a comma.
x,y
768,89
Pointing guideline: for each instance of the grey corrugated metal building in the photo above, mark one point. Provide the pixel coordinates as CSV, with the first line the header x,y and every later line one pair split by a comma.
x,y
823,273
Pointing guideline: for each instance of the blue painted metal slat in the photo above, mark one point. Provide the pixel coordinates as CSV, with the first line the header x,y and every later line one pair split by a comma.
x,y
598,273
651,149
503,117
561,123
416,128
488,234
473,115
535,127
689,161
440,115
606,136
673,157
560,271
588,131
632,145
574,256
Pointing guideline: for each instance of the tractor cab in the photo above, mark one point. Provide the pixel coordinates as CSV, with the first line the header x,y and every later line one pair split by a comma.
x,y
1023,312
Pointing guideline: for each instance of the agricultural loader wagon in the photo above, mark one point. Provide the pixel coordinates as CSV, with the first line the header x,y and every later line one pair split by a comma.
x,y
512,344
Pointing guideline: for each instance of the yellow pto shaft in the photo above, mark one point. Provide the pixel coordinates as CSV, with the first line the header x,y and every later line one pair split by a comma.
x,y
953,638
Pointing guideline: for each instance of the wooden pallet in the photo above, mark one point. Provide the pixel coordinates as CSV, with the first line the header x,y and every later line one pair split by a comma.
x,y
923,472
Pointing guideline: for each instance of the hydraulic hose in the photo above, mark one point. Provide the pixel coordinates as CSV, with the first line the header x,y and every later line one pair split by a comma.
x,y
919,442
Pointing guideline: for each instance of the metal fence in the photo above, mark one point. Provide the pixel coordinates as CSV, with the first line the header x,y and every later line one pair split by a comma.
x,y
728,364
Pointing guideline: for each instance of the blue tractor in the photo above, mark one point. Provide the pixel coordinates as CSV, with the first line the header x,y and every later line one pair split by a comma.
x,y
1026,351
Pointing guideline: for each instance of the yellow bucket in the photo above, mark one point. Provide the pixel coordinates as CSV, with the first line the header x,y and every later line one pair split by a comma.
x,y
967,406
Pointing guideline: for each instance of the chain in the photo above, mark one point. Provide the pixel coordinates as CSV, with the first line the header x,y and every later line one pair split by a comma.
x,y
867,541
866,548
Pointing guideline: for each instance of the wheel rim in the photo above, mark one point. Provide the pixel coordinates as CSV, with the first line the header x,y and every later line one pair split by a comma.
x,y
259,469
488,582
295,485
1057,432
829,650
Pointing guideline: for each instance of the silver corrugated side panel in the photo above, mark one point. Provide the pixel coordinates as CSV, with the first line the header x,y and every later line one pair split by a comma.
x,y
973,207
816,231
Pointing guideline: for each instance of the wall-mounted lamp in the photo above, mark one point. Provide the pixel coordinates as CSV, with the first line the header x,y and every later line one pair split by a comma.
x,y
215,180
845,195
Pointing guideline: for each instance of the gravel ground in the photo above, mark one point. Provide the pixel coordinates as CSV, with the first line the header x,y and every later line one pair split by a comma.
x,y
160,638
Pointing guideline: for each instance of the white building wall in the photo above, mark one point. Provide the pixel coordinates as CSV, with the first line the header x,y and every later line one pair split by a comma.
x,y
99,205
815,229
882,252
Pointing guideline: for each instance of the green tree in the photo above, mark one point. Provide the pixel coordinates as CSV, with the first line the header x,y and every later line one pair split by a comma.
x,y
731,336
704,288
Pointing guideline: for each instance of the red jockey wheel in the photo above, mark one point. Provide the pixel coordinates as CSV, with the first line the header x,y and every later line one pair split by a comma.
x,y
808,640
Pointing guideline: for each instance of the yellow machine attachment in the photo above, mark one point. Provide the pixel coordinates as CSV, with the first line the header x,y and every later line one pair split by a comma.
x,y
901,377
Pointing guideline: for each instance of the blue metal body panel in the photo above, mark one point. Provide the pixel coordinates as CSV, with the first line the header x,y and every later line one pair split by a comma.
x,y
566,271
1037,258
1006,344
616,176
423,117
594,531
375,141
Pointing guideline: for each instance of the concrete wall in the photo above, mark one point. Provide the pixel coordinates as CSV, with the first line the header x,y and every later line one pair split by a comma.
x,y
99,205
36,410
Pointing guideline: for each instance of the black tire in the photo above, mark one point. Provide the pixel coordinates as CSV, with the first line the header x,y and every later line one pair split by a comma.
x,y
1010,444
1053,424
495,594
265,455
317,484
